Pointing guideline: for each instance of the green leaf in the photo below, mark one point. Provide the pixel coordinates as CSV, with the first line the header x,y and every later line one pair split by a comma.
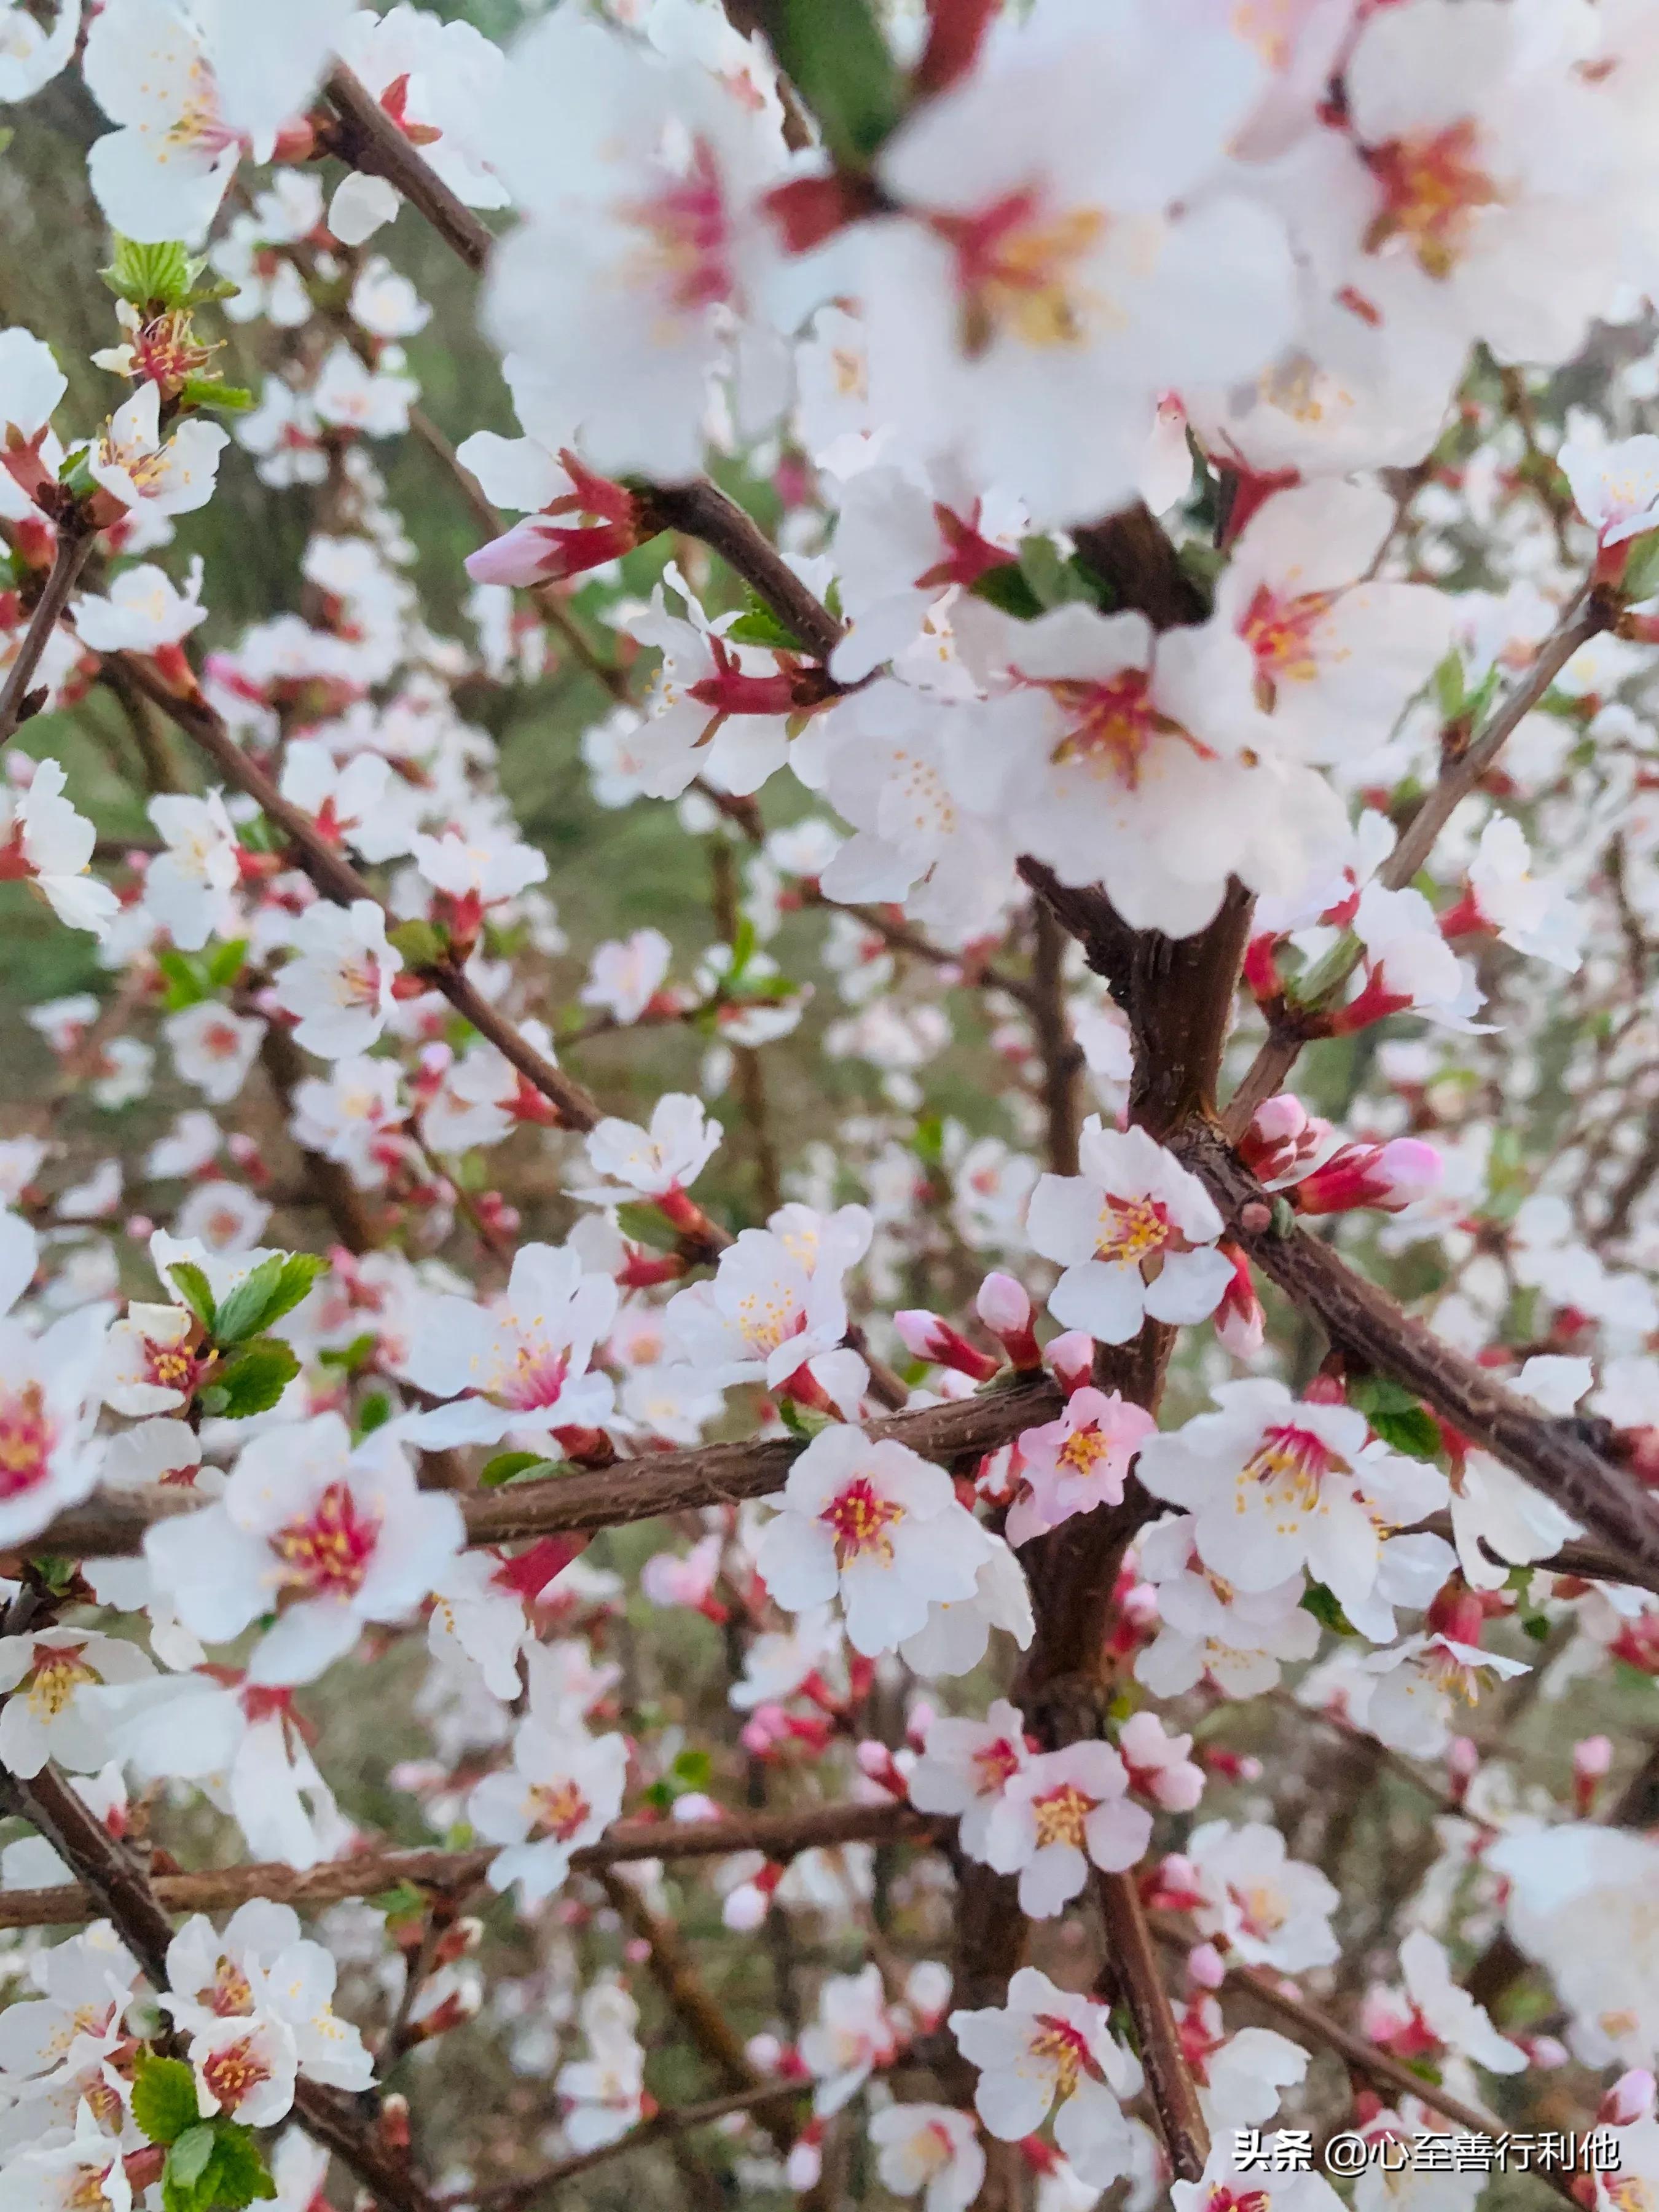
x,y
242,1314
1641,577
193,1288
1400,1420
404,1902
163,2097
1416,1434
224,962
418,942
148,275
274,1288
1327,1609
1537,1628
1007,587
187,2161
758,625
238,2174
694,1770
350,1357
507,1466
208,395
1054,580
251,1380
803,1421
1449,686
187,984
843,69
374,1414
643,1224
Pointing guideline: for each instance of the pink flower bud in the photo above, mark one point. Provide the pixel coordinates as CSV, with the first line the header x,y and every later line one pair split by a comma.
x,y
1206,1965
1006,1309
1591,1758
1002,1305
1630,2100
1239,1321
1388,1177
1073,1359
926,1337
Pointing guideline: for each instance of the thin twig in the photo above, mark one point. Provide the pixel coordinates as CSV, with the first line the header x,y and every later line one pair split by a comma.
x,y
75,543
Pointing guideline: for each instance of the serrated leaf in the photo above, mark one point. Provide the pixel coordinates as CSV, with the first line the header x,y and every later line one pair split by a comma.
x,y
163,2097
238,2174
151,274
187,2161
193,1287
274,1288
506,1465
252,1379
843,69
241,1313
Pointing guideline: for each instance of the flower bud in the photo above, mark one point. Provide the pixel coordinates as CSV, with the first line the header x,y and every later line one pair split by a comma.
x,y
924,1336
1073,1359
1006,1309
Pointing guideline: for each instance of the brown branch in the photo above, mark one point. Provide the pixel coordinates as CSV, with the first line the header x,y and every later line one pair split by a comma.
x,y
75,543
688,1997
452,1874
1061,1055
331,1182
1461,772
1132,1964
335,878
644,1489
676,2120
117,1888
703,511
904,937
366,136
1360,1319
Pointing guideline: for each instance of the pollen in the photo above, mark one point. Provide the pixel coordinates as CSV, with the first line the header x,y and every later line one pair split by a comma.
x,y
329,1553
232,2074
1130,1230
60,1671
1060,1815
27,1437
1279,633
1018,272
559,1809
859,1519
1112,726
1062,2047
1433,191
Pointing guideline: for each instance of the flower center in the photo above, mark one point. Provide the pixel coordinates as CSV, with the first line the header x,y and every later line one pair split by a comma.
x,y
1083,1451
1060,1816
27,1437
1113,725
59,1672
534,1376
1261,1910
234,2073
994,1767
1017,271
1290,1465
687,253
767,1317
359,983
1062,2047
232,1994
559,1809
1130,1230
1433,188
859,1519
328,1555
1279,633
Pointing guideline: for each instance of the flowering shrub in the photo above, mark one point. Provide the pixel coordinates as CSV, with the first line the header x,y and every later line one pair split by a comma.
x,y
600,1567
